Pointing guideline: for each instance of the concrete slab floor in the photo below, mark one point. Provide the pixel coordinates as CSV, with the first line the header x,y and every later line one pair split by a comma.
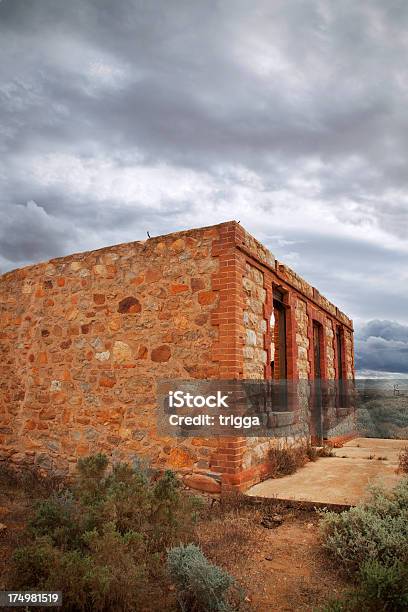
x,y
339,480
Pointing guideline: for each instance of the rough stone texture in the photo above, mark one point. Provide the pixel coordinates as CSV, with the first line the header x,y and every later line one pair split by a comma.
x,y
349,352
84,338
302,339
250,245
254,322
330,354
258,348
201,482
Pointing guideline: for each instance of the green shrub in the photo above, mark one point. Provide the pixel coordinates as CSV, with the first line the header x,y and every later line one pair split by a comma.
x,y
103,541
335,605
201,586
371,543
110,575
374,530
32,564
56,517
384,586
380,588
91,478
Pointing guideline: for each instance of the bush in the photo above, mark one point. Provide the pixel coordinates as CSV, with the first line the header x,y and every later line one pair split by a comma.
x,y
371,542
55,517
381,587
103,541
384,585
374,530
201,586
32,563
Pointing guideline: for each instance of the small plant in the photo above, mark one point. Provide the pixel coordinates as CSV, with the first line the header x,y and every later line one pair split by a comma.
x,y
326,451
380,587
201,586
403,461
56,518
286,460
91,478
334,605
311,452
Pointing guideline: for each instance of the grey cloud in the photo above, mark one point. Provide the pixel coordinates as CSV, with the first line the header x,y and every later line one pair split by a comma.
x,y
382,345
360,278
40,234
388,330
309,99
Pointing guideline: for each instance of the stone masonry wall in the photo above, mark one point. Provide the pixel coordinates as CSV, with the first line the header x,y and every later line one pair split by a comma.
x,y
255,354
330,349
261,273
302,339
84,339
349,353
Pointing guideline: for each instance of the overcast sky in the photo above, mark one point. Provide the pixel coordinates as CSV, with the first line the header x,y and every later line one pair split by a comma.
x,y
119,117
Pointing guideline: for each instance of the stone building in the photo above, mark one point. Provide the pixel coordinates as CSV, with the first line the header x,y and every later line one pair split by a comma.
x,y
84,338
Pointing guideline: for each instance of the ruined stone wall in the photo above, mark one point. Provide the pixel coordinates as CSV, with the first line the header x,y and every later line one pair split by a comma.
x,y
349,353
254,321
84,339
329,337
261,273
255,355
302,339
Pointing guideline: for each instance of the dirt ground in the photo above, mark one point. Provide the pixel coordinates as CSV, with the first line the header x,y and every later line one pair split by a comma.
x,y
282,568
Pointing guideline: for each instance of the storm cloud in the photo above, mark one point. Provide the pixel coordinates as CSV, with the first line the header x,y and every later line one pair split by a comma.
x,y
382,346
118,118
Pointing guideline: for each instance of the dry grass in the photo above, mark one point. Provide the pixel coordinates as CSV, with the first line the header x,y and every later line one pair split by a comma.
x,y
229,531
287,460
403,461
326,451
29,480
225,539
